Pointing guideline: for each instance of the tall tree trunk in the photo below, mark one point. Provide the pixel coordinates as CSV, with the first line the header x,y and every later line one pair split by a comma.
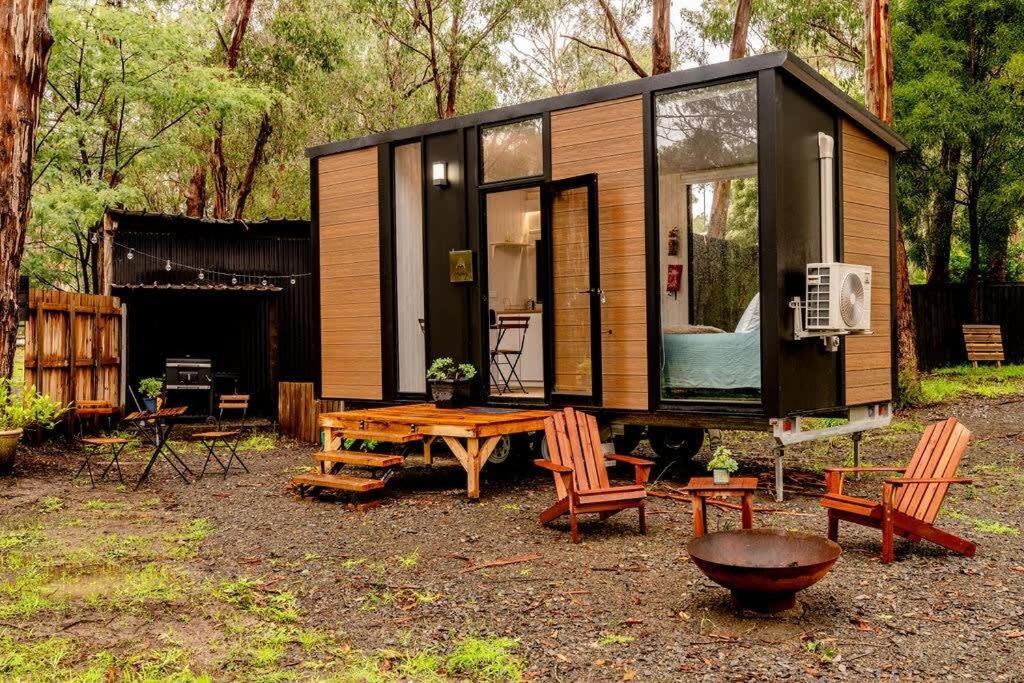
x,y
723,188
24,49
974,229
878,95
221,207
942,217
661,32
245,188
195,195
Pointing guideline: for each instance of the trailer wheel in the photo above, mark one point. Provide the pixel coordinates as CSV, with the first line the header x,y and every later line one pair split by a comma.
x,y
627,442
675,444
511,454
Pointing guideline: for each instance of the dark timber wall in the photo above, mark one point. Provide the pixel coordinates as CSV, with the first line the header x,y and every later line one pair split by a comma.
x,y
940,311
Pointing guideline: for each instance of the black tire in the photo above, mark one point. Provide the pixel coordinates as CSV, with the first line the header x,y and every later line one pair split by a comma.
x,y
627,442
510,455
675,444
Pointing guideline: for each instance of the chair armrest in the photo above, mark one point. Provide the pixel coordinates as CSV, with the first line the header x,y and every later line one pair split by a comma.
x,y
927,480
553,467
630,460
844,470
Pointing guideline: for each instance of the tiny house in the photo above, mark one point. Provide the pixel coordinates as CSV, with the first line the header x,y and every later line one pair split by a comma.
x,y
666,252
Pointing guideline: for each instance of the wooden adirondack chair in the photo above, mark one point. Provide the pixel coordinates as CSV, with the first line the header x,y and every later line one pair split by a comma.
x,y
911,503
581,478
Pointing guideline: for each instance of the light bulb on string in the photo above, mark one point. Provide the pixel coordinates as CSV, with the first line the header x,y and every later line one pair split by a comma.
x,y
264,282
292,281
234,280
202,275
94,239
168,266
131,254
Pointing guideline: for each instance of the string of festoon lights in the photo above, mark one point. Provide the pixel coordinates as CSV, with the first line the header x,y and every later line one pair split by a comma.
x,y
131,253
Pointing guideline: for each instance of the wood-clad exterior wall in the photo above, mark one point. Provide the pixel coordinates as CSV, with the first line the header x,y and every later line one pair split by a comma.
x,y
866,231
607,139
350,275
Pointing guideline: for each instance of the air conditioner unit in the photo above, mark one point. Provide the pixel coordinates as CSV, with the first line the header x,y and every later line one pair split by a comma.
x,y
838,298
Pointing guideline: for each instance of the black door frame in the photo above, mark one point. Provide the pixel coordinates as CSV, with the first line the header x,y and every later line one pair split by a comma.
x,y
547,195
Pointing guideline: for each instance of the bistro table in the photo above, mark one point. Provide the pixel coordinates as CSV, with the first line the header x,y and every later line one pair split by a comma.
x,y
163,421
702,488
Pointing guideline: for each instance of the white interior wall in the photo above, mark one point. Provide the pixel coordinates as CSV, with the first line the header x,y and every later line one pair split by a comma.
x,y
513,218
675,309
412,362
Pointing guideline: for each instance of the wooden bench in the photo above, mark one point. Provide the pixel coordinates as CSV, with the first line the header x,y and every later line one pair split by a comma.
x,y
984,342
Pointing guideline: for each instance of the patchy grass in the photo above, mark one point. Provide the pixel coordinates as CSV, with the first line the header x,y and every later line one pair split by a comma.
x,y
257,442
251,596
610,639
486,659
105,505
962,381
51,504
988,526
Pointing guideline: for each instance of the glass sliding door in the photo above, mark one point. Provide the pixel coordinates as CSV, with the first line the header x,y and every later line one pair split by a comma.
x,y
409,284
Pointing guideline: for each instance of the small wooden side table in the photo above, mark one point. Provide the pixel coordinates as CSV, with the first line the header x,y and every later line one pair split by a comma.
x,y
702,488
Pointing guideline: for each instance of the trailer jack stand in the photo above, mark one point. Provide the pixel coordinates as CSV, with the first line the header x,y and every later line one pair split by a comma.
x,y
779,452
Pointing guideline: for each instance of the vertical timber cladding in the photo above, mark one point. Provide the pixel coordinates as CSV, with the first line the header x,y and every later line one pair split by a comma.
x,y
866,230
607,139
350,315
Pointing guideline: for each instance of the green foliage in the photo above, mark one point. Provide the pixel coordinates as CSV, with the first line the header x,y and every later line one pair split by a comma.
x,y
445,369
27,408
955,383
486,659
723,460
250,596
257,443
151,387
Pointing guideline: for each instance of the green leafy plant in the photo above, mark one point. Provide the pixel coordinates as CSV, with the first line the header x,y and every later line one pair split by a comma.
x,y
151,387
27,408
446,370
722,460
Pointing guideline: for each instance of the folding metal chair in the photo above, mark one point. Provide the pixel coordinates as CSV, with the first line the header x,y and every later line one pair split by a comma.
x,y
228,439
507,358
93,446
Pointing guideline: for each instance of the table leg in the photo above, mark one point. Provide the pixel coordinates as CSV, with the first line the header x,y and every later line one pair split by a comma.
x,y
473,469
747,507
427,455
699,526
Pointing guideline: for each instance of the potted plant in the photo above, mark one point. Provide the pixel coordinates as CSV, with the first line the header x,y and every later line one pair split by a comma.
x,y
722,465
19,411
450,382
150,388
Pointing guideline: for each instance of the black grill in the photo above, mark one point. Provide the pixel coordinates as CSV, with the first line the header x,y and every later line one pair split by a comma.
x,y
189,374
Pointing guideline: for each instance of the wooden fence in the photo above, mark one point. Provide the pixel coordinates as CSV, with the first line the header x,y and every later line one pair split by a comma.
x,y
298,410
74,344
940,312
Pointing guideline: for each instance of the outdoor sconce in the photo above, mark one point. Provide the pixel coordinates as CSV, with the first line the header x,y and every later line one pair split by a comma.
x,y
441,173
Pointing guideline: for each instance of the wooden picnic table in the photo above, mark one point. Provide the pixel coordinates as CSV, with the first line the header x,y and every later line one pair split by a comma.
x,y
470,433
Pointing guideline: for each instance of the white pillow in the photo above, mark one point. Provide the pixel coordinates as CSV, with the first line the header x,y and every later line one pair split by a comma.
x,y
750,321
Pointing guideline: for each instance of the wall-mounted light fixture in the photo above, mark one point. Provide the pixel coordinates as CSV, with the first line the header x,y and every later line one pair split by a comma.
x,y
440,173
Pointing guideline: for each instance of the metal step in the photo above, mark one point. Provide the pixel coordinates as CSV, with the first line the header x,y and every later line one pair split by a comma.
x,y
339,482
358,458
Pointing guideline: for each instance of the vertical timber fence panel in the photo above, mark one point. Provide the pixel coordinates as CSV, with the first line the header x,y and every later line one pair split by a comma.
x,y
940,312
73,346
298,410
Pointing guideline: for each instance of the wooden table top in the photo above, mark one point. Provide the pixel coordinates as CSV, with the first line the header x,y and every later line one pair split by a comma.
x,y
425,414
705,484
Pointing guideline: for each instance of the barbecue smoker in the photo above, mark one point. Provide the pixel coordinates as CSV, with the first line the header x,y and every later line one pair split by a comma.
x,y
194,376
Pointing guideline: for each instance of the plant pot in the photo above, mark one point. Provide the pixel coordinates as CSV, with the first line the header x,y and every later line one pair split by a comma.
x,y
450,394
149,404
9,440
721,476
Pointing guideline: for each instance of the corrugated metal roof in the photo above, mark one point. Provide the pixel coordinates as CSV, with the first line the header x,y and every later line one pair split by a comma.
x,y
181,220
201,287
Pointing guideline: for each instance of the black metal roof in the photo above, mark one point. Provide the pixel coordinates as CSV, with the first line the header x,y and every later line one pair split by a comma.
x,y
145,221
200,287
784,60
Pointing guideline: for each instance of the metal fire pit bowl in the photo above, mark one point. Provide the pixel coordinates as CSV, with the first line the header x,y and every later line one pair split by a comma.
x,y
764,568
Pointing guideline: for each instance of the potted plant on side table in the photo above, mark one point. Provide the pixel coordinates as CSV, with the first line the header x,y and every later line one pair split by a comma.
x,y
722,465
450,383
151,388
20,411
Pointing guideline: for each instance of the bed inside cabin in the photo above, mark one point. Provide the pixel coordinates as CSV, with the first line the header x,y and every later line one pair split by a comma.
x,y
709,244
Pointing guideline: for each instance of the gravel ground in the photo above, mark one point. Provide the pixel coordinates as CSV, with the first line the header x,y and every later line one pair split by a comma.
x,y
618,606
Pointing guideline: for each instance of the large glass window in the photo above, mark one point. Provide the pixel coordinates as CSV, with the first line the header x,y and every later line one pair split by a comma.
x,y
709,243
412,364
512,150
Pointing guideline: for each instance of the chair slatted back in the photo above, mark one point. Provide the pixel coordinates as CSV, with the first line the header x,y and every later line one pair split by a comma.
x,y
937,456
233,402
983,342
574,441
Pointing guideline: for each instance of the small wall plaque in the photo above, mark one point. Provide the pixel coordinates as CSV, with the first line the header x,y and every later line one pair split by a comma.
x,y
460,266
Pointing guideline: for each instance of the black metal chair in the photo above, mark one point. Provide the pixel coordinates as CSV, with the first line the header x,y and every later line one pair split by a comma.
x,y
227,439
93,446
507,357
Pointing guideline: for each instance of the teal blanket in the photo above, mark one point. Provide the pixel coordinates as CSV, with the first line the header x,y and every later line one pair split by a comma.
x,y
723,360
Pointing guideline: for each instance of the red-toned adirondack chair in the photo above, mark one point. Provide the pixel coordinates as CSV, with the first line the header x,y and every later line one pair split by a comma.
x,y
581,478
911,503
